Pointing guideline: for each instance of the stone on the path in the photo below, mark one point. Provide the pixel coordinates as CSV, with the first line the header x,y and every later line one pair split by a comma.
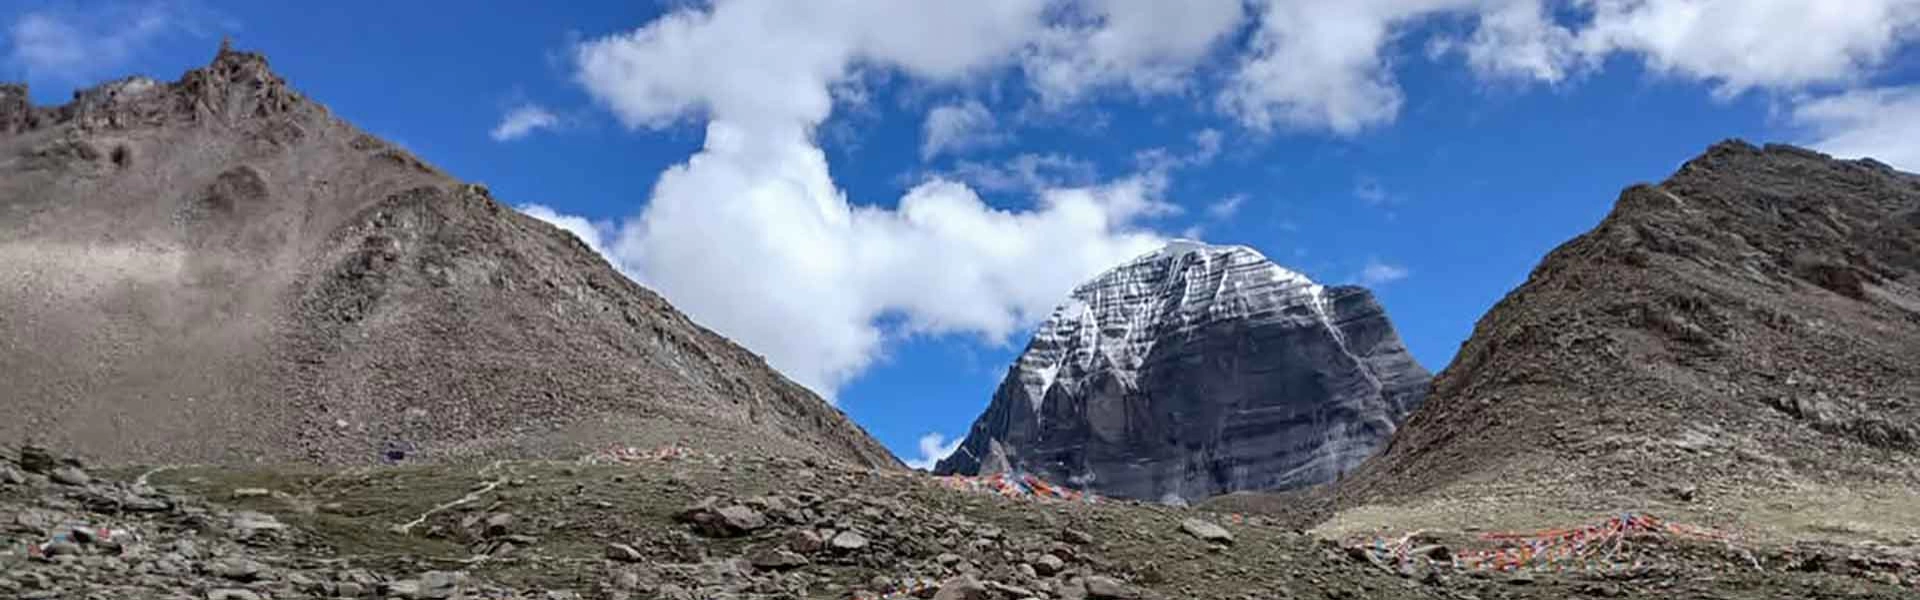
x,y
10,475
624,553
499,524
742,519
1075,536
964,587
70,476
775,558
237,569
36,459
805,541
440,584
232,594
1009,591
147,504
1048,564
673,591
848,541
302,582
245,493
249,525
727,521
1099,587
1206,531
431,585
626,580
405,588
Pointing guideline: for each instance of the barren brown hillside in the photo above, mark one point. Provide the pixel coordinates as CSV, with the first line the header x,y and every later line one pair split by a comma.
x,y
217,269
1740,342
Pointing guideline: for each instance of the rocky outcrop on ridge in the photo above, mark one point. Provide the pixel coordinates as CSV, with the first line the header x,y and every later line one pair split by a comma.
x,y
218,269
1198,370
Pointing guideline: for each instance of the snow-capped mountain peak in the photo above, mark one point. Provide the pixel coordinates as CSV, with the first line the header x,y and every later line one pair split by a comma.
x,y
1214,318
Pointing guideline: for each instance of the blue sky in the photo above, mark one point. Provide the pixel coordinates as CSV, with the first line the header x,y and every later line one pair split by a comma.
x,y
884,197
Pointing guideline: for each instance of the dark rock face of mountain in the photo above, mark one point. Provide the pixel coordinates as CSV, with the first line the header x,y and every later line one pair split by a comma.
x,y
1194,371
217,269
1750,324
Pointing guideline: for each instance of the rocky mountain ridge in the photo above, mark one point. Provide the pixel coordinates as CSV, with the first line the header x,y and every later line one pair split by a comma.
x,y
1197,370
217,269
1738,339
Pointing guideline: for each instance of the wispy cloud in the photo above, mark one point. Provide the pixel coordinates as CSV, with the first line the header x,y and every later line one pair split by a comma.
x,y
933,448
73,45
1026,172
960,127
1371,192
1206,144
1380,273
1206,147
522,121
1227,207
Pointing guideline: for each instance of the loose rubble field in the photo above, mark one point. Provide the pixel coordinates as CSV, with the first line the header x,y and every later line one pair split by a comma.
x,y
695,526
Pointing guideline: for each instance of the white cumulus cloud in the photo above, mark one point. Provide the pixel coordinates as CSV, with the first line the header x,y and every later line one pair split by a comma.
x,y
1149,46
593,234
1328,66
1519,39
933,448
751,236
959,127
1745,44
1321,65
765,64
522,121
1882,123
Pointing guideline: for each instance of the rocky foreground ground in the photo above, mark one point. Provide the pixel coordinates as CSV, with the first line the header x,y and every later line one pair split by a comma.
x,y
687,525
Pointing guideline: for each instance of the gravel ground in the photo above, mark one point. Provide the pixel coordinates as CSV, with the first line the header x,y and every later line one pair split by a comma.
x,y
698,525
